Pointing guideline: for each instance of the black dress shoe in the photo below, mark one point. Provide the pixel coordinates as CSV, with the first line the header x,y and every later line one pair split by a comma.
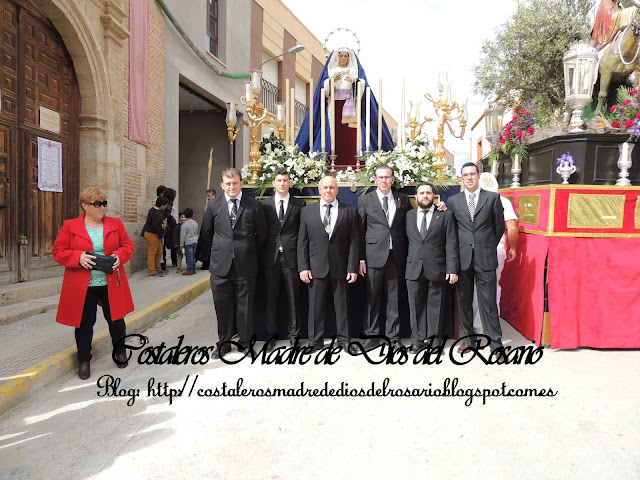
x,y
370,344
397,344
220,351
84,370
416,348
122,361
292,342
314,347
270,346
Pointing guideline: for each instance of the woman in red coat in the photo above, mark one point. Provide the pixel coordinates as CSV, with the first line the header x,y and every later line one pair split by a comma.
x,y
83,288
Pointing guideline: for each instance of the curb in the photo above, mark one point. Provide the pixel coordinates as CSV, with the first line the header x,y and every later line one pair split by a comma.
x,y
19,387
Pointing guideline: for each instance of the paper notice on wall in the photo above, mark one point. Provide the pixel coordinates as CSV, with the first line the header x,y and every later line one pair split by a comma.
x,y
49,165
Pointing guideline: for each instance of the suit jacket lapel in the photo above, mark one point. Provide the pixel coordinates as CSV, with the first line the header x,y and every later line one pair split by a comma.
x,y
435,217
413,226
287,211
339,219
482,199
241,208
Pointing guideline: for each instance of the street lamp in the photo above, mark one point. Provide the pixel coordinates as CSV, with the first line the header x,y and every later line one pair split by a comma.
x,y
294,49
579,71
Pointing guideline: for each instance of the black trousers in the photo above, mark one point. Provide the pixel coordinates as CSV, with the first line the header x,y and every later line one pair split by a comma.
x,y
318,291
275,276
384,282
486,285
233,301
426,308
84,333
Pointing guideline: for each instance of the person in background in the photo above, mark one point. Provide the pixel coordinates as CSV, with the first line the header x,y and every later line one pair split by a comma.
x,y
175,238
172,218
189,240
84,288
154,231
203,250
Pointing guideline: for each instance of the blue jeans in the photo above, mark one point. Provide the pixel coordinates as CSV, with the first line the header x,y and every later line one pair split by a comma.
x,y
190,251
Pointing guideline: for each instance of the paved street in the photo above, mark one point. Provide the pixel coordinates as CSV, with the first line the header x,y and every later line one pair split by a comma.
x,y
590,429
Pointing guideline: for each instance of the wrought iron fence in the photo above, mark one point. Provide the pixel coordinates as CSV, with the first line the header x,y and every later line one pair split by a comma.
x,y
301,111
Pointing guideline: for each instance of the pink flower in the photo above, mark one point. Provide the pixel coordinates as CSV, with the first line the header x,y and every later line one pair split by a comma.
x,y
613,108
508,127
521,110
615,124
633,92
519,134
628,123
531,130
507,136
502,140
638,115
626,102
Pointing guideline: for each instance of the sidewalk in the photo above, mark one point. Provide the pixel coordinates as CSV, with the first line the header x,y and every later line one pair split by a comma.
x,y
37,351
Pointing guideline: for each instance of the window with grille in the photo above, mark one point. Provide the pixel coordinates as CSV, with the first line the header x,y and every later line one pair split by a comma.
x,y
212,27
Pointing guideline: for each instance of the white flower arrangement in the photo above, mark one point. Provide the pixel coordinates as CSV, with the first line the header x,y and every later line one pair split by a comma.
x,y
410,165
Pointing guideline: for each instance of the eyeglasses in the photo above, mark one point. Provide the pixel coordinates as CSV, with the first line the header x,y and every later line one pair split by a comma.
x,y
99,204
384,177
469,175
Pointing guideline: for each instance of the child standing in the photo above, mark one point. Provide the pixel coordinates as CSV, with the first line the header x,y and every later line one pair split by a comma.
x,y
175,238
154,230
189,240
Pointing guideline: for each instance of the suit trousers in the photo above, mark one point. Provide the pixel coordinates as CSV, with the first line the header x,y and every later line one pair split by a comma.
x,y
275,276
318,291
233,300
486,288
84,333
426,308
384,282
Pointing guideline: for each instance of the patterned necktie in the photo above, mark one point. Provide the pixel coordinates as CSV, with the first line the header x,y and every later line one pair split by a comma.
x,y
234,212
472,205
423,225
281,213
385,207
327,218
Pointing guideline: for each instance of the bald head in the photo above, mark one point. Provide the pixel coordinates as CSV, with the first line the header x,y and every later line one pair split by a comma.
x,y
328,188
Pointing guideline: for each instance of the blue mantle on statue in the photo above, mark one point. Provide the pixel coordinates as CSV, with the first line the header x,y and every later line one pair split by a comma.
x,y
357,291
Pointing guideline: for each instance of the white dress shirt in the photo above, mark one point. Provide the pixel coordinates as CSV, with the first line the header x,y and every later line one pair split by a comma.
x,y
285,205
428,213
334,213
230,203
392,208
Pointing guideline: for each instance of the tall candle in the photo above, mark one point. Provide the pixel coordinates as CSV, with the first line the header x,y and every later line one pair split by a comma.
x,y
231,115
287,119
402,116
248,94
333,117
380,116
293,116
322,120
280,113
311,115
359,119
367,132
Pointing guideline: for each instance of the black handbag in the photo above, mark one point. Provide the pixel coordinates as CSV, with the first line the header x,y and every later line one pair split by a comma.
x,y
103,263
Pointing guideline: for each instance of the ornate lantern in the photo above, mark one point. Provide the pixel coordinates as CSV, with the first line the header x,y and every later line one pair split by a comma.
x,y
579,72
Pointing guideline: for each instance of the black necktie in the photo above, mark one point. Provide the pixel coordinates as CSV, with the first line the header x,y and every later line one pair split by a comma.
x,y
385,207
423,225
234,211
281,213
327,218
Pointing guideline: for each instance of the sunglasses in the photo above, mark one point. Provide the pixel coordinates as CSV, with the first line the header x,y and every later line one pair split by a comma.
x,y
99,204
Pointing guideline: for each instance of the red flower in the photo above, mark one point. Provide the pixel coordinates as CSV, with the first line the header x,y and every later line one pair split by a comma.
x,y
507,136
638,115
615,124
499,149
628,123
508,127
527,113
633,92
521,110
519,134
531,130
626,102
613,108
502,140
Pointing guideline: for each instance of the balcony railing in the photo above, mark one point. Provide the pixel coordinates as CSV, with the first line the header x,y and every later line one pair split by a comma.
x,y
270,94
301,111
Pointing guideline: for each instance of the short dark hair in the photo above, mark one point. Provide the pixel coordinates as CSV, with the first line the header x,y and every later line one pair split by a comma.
x,y
281,171
160,190
180,214
188,212
382,166
160,201
471,164
425,184
170,193
212,191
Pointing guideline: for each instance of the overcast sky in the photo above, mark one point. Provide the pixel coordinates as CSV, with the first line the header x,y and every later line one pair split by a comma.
x,y
414,40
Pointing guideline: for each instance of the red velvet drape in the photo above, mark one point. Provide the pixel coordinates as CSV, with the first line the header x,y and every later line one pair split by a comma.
x,y
345,140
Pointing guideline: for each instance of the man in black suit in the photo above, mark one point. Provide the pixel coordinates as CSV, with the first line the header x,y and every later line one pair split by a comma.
x,y
280,255
383,253
480,220
239,229
328,259
432,260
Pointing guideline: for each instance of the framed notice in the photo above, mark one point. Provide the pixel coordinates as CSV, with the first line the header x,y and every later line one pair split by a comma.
x,y
49,165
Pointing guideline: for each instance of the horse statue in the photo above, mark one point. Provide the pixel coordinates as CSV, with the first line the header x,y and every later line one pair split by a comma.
x,y
620,59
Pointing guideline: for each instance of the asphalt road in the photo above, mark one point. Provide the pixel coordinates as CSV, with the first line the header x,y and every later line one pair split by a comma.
x,y
586,425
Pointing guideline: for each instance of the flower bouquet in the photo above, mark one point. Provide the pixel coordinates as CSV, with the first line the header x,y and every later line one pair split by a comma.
x,y
516,134
624,116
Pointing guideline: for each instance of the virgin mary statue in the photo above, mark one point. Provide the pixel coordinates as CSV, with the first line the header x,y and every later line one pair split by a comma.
x,y
345,68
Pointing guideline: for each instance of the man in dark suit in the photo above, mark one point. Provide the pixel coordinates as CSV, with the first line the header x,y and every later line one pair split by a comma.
x,y
328,259
280,255
383,253
239,229
432,260
480,220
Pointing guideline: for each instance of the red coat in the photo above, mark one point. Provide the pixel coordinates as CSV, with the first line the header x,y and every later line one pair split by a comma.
x,y
72,240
